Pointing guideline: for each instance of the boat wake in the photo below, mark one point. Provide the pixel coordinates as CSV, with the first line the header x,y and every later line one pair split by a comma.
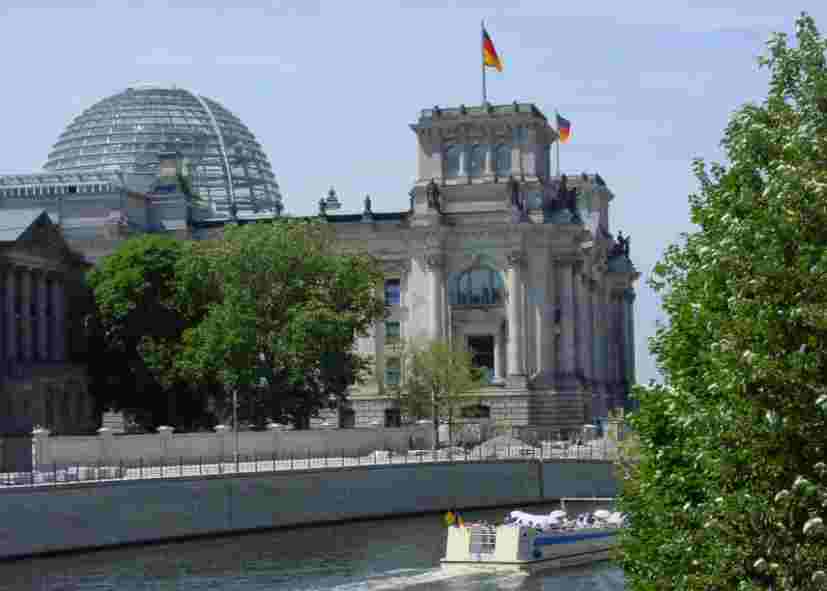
x,y
417,578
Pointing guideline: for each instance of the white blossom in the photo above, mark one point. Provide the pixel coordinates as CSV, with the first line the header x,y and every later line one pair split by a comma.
x,y
760,565
800,483
814,526
782,496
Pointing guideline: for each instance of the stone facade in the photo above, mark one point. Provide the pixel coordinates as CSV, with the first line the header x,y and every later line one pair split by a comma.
x,y
496,250
43,300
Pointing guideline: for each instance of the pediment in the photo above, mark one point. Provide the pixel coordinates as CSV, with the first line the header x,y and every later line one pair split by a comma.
x,y
43,240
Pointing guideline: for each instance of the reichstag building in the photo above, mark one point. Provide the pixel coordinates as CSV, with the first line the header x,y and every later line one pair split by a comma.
x,y
495,251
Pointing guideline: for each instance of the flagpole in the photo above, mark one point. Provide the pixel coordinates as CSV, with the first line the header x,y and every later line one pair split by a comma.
x,y
557,142
482,55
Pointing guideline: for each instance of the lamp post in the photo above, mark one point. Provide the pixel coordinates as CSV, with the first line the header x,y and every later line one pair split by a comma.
x,y
235,427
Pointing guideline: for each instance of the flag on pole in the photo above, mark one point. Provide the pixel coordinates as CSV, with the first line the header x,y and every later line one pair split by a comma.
x,y
563,128
489,54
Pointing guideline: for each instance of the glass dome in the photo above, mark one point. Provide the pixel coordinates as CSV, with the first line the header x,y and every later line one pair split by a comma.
x,y
127,131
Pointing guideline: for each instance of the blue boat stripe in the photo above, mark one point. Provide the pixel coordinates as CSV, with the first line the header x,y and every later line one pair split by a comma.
x,y
549,541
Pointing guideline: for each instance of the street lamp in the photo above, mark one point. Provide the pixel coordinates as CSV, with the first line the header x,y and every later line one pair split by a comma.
x,y
235,426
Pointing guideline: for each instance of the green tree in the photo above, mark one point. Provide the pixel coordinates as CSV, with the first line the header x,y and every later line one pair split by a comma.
x,y
135,322
438,380
283,309
729,491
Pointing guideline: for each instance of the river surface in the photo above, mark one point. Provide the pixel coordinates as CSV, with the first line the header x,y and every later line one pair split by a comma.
x,y
387,554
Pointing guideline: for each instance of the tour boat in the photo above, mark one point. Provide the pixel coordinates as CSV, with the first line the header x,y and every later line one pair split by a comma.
x,y
523,547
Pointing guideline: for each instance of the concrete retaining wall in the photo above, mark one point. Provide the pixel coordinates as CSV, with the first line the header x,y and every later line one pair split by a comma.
x,y
191,448
82,516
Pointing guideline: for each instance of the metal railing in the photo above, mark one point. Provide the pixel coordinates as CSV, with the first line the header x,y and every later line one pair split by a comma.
x,y
57,474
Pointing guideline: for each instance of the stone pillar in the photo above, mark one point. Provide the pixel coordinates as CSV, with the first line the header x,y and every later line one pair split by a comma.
x,y
567,320
58,321
222,435
434,263
12,323
42,317
26,324
516,360
165,435
106,455
42,449
276,430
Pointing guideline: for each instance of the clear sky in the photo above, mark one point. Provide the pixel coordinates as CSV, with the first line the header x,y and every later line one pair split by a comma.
x,y
329,88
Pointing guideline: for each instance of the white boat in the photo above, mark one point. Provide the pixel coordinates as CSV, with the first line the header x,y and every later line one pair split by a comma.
x,y
521,547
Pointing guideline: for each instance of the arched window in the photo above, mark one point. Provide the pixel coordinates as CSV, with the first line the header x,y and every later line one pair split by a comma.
x,y
478,286
476,160
452,156
502,159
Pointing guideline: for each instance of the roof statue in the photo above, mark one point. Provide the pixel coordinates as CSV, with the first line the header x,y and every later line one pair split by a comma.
x,y
621,247
367,205
434,196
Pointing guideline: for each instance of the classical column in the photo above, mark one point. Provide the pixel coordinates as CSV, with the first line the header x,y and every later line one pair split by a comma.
x,y
11,313
4,318
42,317
611,362
516,334
58,340
629,341
26,324
546,339
567,320
581,283
434,263
597,361
498,346
538,309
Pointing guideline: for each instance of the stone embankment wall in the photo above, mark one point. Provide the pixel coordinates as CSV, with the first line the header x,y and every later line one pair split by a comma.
x,y
94,515
167,447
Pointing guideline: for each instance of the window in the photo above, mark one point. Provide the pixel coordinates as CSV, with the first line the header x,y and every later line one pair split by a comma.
x,y
392,332
480,286
477,160
393,371
502,159
393,418
392,292
547,159
452,157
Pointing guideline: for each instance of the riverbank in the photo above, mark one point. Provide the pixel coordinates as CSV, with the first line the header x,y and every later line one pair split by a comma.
x,y
90,516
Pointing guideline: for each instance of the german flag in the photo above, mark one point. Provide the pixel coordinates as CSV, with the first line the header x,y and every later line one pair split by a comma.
x,y
489,54
563,128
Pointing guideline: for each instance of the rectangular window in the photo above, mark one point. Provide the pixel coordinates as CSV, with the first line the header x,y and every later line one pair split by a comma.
x,y
393,371
392,292
392,332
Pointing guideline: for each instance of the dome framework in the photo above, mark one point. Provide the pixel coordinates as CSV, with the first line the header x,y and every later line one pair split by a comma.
x,y
127,131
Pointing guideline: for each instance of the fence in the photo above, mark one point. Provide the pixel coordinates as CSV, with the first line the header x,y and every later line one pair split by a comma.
x,y
50,473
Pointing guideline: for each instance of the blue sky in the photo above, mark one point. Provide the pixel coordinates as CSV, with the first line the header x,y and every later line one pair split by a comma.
x,y
329,88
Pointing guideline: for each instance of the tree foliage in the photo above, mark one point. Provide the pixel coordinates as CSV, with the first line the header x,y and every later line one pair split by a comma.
x,y
270,311
275,310
729,492
439,379
135,318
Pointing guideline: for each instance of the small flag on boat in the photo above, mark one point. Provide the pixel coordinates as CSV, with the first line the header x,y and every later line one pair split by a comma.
x,y
450,518
460,522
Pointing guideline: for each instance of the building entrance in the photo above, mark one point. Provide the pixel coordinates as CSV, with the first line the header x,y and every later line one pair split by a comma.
x,y
482,351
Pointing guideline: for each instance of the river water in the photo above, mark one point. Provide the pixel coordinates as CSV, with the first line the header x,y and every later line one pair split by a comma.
x,y
387,554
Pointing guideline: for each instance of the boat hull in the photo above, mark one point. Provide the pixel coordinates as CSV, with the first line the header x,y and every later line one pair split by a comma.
x,y
524,551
